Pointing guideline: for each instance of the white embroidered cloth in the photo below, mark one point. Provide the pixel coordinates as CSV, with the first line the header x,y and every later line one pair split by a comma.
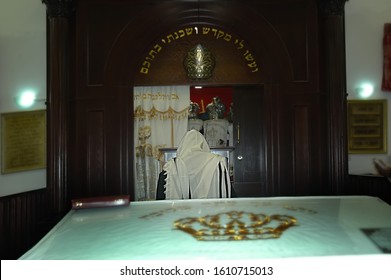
x,y
326,226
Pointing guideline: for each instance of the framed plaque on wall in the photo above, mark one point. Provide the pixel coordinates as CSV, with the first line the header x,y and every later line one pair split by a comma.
x,y
367,126
23,141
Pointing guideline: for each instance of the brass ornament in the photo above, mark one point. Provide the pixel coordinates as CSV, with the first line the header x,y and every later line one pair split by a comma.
x,y
199,63
235,226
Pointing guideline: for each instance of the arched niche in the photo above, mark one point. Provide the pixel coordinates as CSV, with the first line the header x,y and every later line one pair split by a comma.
x,y
293,45
134,47
254,55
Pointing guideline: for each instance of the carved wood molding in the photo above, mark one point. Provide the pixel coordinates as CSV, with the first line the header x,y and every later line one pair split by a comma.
x,y
59,8
334,58
332,7
59,13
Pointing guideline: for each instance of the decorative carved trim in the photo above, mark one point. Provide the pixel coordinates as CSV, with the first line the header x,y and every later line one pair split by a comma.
x,y
332,7
59,8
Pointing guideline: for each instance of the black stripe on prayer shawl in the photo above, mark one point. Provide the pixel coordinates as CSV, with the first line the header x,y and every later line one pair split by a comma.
x,y
189,191
226,183
220,181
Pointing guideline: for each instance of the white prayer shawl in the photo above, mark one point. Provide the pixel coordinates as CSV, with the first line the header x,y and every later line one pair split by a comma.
x,y
196,170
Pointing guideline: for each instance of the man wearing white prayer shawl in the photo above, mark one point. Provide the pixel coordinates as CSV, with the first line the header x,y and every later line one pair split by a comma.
x,y
196,172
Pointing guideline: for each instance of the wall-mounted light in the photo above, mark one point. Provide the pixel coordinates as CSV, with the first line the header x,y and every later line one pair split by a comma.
x,y
28,98
365,90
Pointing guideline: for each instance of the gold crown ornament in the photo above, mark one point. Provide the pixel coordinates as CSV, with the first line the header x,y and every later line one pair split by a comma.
x,y
199,63
235,226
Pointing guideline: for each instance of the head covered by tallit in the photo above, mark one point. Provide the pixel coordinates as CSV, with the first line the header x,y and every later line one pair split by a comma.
x,y
195,171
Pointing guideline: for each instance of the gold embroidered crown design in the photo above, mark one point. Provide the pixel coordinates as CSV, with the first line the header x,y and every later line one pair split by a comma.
x,y
235,225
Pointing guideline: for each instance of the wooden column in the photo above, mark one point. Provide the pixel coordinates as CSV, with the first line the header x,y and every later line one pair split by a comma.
x,y
333,77
59,14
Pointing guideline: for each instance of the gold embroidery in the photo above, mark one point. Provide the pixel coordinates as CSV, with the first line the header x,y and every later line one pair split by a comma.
x,y
235,225
155,114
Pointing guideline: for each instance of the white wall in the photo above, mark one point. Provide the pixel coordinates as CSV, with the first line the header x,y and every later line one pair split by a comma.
x,y
22,65
364,23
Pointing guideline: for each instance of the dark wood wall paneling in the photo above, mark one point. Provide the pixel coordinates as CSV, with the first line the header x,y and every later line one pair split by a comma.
x,y
23,221
377,186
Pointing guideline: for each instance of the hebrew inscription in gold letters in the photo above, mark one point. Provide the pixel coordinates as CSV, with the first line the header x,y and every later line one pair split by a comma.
x,y
199,31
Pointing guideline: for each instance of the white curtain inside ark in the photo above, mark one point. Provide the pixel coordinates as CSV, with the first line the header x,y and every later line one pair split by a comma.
x,y
160,121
